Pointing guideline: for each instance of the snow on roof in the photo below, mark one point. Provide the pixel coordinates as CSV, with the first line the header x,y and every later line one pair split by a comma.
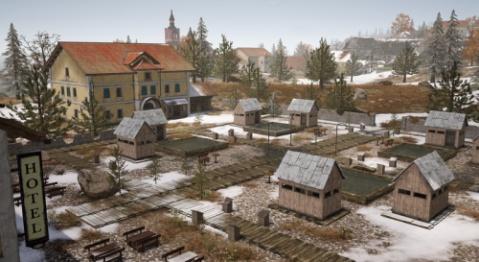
x,y
305,169
446,120
250,104
301,105
433,169
341,56
129,127
153,117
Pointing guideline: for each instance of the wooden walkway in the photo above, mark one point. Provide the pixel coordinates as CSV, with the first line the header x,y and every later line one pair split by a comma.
x,y
145,197
327,147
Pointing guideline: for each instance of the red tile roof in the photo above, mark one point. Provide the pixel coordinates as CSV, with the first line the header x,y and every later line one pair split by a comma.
x,y
253,51
117,58
296,63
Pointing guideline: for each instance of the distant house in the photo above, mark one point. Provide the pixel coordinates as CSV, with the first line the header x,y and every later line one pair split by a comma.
x,y
200,98
247,112
341,58
297,64
257,55
303,113
309,184
445,129
421,190
156,119
475,150
135,138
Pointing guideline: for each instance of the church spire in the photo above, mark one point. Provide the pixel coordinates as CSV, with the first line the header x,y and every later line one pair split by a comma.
x,y
172,18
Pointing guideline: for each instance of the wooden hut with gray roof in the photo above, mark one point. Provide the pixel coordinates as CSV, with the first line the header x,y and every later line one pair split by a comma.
x,y
156,119
309,184
135,138
445,129
247,112
303,113
421,190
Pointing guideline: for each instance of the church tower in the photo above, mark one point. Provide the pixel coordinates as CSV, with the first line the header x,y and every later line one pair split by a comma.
x,y
172,33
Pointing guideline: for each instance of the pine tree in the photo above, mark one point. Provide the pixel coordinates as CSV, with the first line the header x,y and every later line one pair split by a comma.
x,y
15,62
352,66
154,169
455,95
93,118
117,167
247,73
454,42
321,65
406,62
128,39
259,85
341,97
204,65
303,50
226,60
279,69
43,109
189,48
436,49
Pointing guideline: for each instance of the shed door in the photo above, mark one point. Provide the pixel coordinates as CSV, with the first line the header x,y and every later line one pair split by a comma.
x,y
450,138
303,120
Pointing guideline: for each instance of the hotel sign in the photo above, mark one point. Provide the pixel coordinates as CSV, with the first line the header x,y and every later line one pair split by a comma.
x,y
33,198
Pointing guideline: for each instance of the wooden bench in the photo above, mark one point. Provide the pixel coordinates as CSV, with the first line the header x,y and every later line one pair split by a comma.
x,y
177,255
55,191
103,250
16,186
141,239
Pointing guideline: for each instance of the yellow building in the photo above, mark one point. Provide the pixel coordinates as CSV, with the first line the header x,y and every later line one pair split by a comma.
x,y
124,77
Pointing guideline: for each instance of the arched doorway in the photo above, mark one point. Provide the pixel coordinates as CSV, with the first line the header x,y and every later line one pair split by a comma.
x,y
150,103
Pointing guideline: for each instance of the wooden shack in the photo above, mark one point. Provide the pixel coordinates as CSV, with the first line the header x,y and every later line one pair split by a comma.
x,y
421,190
247,112
475,150
309,184
445,129
303,113
156,119
135,138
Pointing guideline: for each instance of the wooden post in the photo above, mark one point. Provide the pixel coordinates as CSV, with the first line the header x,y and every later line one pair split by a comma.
x,y
231,132
249,135
263,218
228,205
380,169
361,156
197,217
233,233
349,161
393,162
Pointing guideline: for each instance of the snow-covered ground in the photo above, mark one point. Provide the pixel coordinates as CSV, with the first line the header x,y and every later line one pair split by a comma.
x,y
239,132
474,195
410,242
231,192
384,118
6,112
374,161
371,77
68,178
223,118
129,165
170,178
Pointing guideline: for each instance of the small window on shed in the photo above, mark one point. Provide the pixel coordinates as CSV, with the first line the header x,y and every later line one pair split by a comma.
x,y
419,195
477,147
432,131
335,191
404,192
440,132
328,194
299,190
433,195
315,194
287,187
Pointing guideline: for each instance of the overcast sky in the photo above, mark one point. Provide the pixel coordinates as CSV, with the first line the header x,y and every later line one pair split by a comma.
x,y
245,22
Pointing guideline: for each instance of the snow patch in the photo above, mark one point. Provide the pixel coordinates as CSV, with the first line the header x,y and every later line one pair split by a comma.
x,y
129,165
409,242
474,195
173,177
69,177
223,118
231,192
239,132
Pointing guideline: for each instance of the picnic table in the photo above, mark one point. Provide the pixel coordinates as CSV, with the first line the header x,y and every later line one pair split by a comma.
x,y
141,239
184,257
104,250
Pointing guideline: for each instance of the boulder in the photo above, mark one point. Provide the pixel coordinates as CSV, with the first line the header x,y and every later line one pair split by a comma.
x,y
360,94
97,184
59,170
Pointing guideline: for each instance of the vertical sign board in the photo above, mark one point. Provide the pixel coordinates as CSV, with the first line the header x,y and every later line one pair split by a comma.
x,y
33,198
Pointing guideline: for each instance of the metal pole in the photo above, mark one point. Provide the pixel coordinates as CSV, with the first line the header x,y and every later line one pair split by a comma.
x,y
290,130
336,143
268,136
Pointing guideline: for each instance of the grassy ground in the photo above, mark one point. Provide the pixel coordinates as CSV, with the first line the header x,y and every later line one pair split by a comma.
x,y
275,129
381,98
191,146
409,152
362,184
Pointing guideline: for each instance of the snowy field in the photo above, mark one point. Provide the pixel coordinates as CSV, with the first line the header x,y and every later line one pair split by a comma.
x,y
231,192
374,161
129,165
239,132
220,119
371,77
68,178
170,178
410,242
